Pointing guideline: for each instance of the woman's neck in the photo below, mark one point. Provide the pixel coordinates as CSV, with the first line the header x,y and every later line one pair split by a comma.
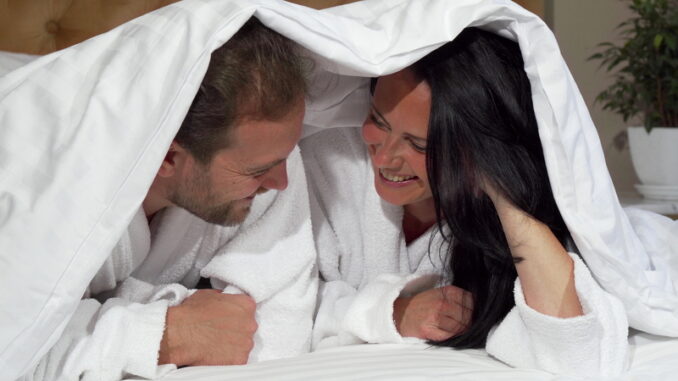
x,y
418,218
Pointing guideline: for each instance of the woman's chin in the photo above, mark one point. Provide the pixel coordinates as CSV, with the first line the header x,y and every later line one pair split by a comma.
x,y
391,197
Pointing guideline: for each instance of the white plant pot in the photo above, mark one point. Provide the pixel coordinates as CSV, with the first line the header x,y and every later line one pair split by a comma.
x,y
655,159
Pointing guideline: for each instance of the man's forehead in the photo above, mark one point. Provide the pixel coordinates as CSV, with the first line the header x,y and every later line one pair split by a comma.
x,y
259,147
258,142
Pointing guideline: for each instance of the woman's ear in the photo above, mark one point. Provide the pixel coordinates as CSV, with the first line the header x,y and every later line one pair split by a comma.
x,y
173,161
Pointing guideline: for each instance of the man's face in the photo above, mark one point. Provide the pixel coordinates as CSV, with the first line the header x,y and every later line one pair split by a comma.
x,y
222,191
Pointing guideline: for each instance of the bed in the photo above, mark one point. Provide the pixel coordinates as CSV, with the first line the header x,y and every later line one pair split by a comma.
x,y
651,358
52,28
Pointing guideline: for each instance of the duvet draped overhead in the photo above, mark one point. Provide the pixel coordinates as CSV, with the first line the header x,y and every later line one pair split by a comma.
x,y
85,129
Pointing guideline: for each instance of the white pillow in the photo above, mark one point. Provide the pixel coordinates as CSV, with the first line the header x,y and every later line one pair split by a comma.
x,y
85,129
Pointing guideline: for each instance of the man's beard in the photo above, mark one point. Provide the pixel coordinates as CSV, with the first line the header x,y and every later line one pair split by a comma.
x,y
196,196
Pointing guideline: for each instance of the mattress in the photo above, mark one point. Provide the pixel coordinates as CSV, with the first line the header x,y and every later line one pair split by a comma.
x,y
650,358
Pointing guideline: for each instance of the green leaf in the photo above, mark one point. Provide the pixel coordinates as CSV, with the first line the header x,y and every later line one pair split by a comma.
x,y
658,41
644,63
596,56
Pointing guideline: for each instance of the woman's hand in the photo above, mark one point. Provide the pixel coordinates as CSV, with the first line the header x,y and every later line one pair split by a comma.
x,y
435,314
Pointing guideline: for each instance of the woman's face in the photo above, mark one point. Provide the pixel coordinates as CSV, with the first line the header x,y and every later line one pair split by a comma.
x,y
395,133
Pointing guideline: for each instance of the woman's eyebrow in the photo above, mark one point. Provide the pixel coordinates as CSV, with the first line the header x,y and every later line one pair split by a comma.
x,y
422,140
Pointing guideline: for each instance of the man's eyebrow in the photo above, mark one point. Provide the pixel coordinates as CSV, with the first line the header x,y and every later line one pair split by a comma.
x,y
265,167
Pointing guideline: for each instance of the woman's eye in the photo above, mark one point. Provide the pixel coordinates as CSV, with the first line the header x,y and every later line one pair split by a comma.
x,y
418,147
378,123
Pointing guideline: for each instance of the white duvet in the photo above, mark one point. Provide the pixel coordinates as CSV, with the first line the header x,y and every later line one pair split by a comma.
x,y
83,131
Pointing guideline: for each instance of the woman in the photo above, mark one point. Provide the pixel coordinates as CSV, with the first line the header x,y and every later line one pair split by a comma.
x,y
451,148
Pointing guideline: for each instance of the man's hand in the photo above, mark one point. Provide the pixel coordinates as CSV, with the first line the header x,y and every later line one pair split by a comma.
x,y
435,314
209,328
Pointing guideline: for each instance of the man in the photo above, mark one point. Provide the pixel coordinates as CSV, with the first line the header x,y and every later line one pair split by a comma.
x,y
232,146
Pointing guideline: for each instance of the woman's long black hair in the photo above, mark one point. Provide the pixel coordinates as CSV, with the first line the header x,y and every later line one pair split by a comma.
x,y
482,126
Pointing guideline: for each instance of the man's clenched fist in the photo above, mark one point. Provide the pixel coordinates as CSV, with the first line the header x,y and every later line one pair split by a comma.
x,y
209,328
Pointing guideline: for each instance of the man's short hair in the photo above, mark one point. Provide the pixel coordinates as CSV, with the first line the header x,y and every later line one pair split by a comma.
x,y
257,74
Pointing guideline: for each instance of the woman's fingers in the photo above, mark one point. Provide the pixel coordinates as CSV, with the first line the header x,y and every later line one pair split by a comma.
x,y
467,300
438,334
437,314
449,324
454,294
456,310
461,315
446,328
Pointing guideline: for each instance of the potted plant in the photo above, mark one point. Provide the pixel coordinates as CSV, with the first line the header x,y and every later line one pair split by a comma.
x,y
645,68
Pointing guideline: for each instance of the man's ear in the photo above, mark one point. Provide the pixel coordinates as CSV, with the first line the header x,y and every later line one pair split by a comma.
x,y
174,160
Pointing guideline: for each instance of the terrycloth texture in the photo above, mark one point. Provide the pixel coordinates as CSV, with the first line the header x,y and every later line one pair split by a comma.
x,y
366,265
358,238
107,342
121,337
273,260
111,336
85,129
594,344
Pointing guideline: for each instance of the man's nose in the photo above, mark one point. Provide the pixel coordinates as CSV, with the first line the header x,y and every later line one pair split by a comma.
x,y
276,178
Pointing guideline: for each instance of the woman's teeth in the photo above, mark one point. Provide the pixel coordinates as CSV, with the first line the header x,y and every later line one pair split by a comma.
x,y
395,178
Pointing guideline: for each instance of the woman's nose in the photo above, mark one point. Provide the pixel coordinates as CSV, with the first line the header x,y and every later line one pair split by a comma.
x,y
386,154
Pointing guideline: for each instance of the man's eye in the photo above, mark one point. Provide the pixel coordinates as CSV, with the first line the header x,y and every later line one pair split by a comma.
x,y
260,173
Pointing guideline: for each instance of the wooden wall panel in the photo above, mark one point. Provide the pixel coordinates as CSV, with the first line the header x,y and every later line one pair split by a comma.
x,y
43,26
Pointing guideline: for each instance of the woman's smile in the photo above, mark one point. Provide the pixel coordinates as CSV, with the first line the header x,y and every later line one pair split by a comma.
x,y
395,134
395,180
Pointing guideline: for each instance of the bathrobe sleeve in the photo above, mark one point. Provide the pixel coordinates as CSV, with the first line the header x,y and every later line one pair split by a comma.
x,y
352,315
107,342
353,306
349,316
592,344
346,314
109,338
273,260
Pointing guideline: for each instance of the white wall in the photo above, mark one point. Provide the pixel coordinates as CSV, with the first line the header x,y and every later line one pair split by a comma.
x,y
579,25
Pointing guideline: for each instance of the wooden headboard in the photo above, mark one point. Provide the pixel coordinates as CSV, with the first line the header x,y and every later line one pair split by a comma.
x,y
44,26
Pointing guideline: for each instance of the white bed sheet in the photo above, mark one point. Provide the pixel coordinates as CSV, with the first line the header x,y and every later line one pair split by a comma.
x,y
651,358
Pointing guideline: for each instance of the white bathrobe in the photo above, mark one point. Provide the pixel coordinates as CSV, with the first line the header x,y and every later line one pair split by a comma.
x,y
365,265
117,328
